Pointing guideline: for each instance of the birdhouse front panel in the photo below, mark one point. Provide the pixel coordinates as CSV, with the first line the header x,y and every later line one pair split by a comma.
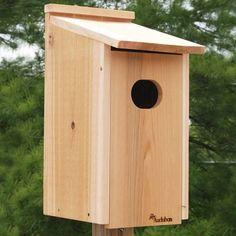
x,y
146,139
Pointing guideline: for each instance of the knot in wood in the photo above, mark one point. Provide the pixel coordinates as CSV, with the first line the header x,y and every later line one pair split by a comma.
x,y
72,125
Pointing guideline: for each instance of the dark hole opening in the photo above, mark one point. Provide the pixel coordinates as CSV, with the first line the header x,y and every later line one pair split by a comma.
x,y
144,94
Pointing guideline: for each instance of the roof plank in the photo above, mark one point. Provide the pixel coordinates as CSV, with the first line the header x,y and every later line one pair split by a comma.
x,y
127,35
89,11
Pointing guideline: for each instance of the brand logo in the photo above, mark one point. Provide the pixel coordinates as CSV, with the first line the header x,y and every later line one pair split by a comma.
x,y
161,219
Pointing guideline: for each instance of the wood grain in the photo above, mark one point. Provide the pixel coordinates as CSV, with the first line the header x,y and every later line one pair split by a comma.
x,y
127,35
76,128
146,144
49,161
100,230
105,160
88,11
185,161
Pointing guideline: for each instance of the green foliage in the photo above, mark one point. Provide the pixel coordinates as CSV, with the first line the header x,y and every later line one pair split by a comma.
x,y
199,228
212,113
21,121
23,20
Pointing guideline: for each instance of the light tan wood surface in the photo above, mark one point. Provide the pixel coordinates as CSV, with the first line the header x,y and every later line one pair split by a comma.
x,y
105,160
76,127
100,230
127,35
146,144
185,161
88,11
49,174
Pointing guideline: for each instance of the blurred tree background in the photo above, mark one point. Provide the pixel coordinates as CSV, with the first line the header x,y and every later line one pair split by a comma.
x,y
212,113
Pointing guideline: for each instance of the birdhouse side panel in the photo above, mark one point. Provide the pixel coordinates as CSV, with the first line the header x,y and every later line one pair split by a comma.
x,y
48,179
146,143
186,123
77,125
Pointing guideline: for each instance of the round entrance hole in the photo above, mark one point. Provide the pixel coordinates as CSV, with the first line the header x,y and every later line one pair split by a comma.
x,y
145,94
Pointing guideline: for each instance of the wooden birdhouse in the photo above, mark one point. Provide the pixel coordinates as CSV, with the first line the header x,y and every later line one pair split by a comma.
x,y
116,119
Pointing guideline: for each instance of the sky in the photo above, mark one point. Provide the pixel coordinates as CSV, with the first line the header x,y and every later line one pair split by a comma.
x,y
24,50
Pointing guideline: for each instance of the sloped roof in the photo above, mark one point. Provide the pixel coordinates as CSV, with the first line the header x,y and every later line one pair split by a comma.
x,y
117,30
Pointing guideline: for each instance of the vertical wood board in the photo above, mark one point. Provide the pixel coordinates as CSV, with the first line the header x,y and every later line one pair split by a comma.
x,y
76,156
100,230
185,162
146,144
49,174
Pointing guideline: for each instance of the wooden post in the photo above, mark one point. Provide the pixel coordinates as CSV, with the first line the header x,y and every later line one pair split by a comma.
x,y
99,230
